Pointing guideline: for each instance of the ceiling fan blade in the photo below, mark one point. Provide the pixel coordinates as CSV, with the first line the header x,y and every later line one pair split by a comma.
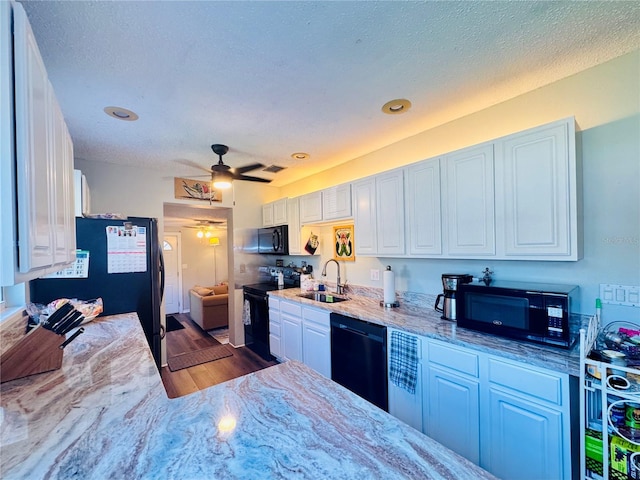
x,y
192,164
247,168
251,179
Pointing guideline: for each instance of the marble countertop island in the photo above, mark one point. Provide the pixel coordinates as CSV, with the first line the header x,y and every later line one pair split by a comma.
x,y
421,319
105,414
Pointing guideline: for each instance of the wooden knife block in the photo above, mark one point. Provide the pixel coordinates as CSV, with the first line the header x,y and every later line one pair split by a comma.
x,y
37,352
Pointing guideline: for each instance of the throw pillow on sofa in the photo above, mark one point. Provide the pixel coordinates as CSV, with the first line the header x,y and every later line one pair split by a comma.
x,y
202,291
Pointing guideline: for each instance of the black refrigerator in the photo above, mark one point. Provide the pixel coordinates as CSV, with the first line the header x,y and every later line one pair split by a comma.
x,y
126,270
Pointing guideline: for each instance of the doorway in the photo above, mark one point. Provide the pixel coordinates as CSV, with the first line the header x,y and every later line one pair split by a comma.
x,y
172,252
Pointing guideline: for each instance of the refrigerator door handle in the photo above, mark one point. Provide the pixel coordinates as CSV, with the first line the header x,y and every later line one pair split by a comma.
x,y
161,276
163,332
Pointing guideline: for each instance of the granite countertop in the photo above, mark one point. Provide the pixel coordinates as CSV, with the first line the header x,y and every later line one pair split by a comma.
x,y
426,321
105,414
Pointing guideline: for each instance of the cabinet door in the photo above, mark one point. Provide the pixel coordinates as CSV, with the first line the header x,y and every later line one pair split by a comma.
x,y
535,188
390,213
32,149
524,439
293,220
422,197
469,202
453,412
267,215
311,208
316,343
280,212
61,189
336,202
316,340
291,340
364,213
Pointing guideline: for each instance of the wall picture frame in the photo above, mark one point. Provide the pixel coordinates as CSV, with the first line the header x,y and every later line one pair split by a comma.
x,y
187,189
344,245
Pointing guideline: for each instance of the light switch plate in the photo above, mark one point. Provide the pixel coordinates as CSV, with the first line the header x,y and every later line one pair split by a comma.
x,y
627,295
375,274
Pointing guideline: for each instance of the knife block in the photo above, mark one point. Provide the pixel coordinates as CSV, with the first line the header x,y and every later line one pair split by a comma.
x,y
37,352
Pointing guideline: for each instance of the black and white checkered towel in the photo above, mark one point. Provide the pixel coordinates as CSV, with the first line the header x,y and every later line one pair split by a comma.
x,y
403,368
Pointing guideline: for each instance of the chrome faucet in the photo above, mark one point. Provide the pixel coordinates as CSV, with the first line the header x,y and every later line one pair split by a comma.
x,y
339,286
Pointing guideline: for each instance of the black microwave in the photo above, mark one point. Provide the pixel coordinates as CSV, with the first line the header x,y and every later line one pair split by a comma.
x,y
274,240
536,312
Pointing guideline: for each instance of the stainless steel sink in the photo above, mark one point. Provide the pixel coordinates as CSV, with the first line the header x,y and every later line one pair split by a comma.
x,y
323,297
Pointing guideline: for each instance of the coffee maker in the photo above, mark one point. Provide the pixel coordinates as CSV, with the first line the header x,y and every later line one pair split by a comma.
x,y
450,283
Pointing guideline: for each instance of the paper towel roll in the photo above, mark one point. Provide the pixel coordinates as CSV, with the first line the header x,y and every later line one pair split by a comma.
x,y
389,286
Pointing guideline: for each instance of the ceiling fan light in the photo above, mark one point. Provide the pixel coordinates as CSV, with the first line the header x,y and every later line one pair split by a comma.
x,y
200,234
222,180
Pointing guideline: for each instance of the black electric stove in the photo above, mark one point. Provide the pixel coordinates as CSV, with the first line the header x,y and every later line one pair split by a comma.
x,y
256,308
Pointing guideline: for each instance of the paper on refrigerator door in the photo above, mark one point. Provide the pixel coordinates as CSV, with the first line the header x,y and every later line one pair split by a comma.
x,y
126,249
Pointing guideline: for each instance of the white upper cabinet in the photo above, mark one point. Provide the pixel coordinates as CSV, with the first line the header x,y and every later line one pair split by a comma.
x,y
311,207
293,220
332,203
43,164
34,167
364,213
378,210
422,198
274,213
336,202
62,191
536,191
468,198
390,213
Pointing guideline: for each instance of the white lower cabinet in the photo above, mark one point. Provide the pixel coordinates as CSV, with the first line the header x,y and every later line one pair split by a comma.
x,y
291,330
316,340
453,412
300,333
527,422
510,418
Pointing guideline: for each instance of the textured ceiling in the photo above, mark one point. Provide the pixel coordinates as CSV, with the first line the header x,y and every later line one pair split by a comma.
x,y
272,78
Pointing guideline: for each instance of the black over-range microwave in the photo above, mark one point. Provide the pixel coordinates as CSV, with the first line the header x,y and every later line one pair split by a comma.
x,y
536,312
274,240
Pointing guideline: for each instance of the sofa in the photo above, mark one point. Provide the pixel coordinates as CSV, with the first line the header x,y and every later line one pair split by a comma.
x,y
209,306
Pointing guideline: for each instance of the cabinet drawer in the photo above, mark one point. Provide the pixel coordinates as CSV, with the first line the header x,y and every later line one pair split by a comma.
x,y
545,386
274,303
294,309
320,317
453,358
274,329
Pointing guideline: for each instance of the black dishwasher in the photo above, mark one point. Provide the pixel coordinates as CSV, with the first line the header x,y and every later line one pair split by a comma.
x,y
359,358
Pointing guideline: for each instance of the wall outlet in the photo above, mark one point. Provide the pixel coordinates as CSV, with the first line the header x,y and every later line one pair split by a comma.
x,y
375,274
620,294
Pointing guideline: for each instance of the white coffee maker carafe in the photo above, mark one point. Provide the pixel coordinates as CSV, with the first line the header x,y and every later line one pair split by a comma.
x,y
450,282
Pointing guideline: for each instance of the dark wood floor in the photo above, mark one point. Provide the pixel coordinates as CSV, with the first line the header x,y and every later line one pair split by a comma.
x,y
199,377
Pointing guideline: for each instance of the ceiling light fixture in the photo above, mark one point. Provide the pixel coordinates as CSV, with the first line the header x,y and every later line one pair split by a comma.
x,y
121,113
394,107
222,180
300,156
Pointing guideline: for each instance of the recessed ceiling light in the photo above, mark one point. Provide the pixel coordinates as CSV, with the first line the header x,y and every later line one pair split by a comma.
x,y
121,113
394,107
300,156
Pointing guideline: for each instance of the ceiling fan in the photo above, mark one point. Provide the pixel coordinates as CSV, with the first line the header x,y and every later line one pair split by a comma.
x,y
222,175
